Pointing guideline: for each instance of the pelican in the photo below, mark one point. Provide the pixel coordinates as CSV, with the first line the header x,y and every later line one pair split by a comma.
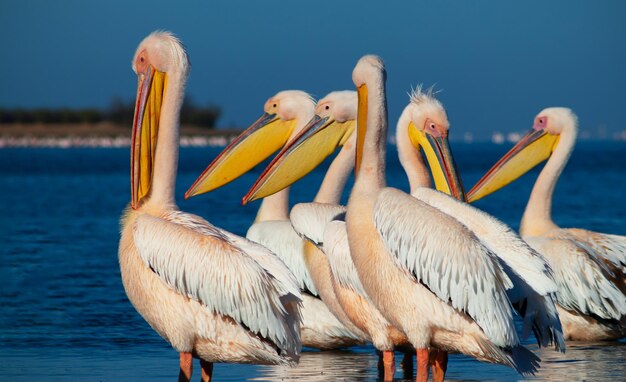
x,y
533,286
589,266
286,113
211,294
317,222
534,289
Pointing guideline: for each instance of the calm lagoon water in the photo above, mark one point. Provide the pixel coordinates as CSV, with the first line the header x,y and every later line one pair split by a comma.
x,y
65,316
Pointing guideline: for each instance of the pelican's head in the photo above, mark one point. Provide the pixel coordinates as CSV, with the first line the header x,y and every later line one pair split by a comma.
x,y
284,115
427,114
535,147
555,120
290,105
425,124
331,127
367,68
159,56
162,51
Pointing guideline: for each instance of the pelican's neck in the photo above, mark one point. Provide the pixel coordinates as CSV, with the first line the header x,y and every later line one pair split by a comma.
x,y
410,157
162,194
371,175
537,218
337,175
274,207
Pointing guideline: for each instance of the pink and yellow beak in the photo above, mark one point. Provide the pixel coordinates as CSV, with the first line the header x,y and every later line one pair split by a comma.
x,y
255,144
532,149
440,161
150,91
317,140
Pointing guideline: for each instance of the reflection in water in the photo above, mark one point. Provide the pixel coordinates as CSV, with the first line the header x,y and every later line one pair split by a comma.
x,y
325,366
602,361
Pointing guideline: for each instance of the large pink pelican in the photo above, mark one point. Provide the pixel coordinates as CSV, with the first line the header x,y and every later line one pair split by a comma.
x,y
286,114
209,293
589,266
532,288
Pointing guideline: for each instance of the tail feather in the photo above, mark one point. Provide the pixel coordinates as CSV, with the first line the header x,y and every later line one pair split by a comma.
x,y
519,358
524,361
546,325
538,312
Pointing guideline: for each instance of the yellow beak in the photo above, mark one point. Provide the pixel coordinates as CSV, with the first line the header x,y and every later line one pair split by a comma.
x,y
315,143
440,161
255,144
361,126
532,149
150,92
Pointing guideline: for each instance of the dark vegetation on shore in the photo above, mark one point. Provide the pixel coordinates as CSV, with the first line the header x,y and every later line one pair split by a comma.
x,y
118,113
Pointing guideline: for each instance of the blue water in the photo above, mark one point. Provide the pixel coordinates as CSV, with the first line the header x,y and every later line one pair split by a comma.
x,y
65,316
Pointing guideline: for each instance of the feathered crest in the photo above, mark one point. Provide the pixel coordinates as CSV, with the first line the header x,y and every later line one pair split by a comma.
x,y
419,96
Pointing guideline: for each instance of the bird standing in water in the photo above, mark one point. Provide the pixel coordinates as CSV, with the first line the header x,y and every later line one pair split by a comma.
x,y
211,294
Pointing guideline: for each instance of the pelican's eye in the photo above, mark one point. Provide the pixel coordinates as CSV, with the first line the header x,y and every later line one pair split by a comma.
x,y
141,63
540,123
433,129
327,107
430,126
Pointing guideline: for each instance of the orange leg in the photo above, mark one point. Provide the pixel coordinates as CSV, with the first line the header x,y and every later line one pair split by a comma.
x,y
439,365
186,367
422,365
389,365
207,370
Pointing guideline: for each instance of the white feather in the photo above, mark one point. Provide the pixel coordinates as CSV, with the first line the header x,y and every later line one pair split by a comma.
x,y
321,329
534,287
611,248
228,274
309,219
337,250
447,258
581,277
280,237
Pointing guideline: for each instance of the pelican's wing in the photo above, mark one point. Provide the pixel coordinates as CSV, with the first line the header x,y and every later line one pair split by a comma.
x,y
279,237
611,248
534,287
247,283
447,258
309,219
337,250
584,285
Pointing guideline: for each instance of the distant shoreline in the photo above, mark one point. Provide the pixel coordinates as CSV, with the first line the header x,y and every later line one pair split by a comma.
x,y
102,134
106,134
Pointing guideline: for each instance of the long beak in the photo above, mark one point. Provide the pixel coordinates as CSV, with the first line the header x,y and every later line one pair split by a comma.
x,y
255,144
440,161
532,149
315,143
150,91
361,126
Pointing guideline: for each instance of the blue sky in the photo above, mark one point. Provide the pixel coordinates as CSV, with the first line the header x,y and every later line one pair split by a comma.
x,y
497,62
